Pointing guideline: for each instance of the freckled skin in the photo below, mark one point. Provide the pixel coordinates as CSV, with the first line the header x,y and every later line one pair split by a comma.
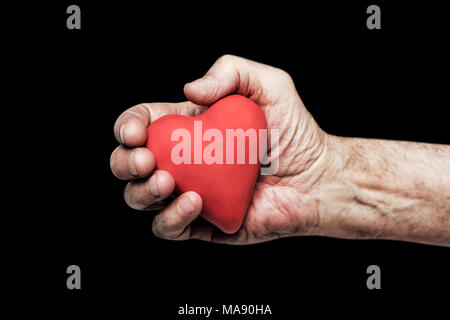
x,y
326,185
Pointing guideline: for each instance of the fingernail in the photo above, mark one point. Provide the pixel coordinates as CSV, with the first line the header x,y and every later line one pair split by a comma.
x,y
154,190
122,127
204,82
132,164
185,205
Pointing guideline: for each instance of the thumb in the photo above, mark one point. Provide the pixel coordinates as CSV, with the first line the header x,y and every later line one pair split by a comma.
x,y
229,74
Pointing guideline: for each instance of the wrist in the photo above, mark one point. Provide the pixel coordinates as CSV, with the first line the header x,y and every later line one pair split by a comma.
x,y
344,207
381,189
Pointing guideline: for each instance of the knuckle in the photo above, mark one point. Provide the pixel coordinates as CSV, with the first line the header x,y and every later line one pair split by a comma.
x,y
227,60
144,108
140,111
284,76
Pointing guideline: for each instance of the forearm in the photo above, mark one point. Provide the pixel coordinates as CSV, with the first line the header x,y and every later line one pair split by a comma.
x,y
379,189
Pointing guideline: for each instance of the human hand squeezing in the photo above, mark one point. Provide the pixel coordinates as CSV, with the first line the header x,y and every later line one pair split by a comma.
x,y
323,186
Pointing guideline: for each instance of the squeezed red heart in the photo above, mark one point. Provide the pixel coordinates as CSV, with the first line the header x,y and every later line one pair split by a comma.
x,y
201,157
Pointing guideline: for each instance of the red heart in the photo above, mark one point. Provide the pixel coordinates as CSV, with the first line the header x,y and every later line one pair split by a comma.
x,y
226,188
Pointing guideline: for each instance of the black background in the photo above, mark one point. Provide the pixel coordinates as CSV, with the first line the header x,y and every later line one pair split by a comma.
x,y
72,85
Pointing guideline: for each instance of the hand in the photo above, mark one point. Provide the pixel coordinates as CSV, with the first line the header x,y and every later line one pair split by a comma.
x,y
281,206
325,185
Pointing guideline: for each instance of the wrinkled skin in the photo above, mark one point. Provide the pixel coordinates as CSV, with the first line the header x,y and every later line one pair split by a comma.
x,y
283,204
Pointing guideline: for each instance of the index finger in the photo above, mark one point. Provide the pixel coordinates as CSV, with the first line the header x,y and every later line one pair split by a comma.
x,y
131,126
